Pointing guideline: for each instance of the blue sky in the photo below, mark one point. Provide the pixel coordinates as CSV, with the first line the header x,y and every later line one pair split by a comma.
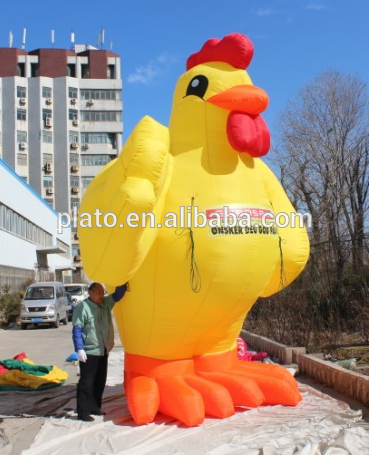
x,y
294,41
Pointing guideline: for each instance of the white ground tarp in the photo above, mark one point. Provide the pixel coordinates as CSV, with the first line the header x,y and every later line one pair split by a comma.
x,y
319,425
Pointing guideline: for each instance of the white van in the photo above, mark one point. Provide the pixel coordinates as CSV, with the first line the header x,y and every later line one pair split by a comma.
x,y
44,302
78,291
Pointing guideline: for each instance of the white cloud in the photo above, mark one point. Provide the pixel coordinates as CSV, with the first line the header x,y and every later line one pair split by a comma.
x,y
263,12
147,74
315,6
143,74
166,59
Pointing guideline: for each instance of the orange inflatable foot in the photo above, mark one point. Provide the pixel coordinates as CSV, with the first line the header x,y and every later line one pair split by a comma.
x,y
142,398
172,388
268,384
213,385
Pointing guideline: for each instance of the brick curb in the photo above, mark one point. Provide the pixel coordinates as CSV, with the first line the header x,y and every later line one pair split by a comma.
x,y
349,383
285,354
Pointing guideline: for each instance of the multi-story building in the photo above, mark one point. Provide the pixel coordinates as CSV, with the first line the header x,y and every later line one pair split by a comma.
x,y
61,120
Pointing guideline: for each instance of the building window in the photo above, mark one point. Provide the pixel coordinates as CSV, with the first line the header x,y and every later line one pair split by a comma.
x,y
21,114
73,158
74,202
74,181
73,136
72,92
92,94
47,137
19,226
85,71
101,116
47,92
22,159
35,70
73,114
98,138
49,201
46,113
47,158
94,160
111,71
21,92
71,71
47,181
21,136
21,70
86,181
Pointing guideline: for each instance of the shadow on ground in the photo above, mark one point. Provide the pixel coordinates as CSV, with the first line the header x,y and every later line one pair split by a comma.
x,y
36,402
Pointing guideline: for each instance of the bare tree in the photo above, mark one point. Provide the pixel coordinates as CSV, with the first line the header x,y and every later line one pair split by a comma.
x,y
324,161
323,156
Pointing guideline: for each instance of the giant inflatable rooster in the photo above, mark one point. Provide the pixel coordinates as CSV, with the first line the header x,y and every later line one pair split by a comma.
x,y
192,287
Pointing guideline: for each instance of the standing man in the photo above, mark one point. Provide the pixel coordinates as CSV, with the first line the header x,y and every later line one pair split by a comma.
x,y
93,339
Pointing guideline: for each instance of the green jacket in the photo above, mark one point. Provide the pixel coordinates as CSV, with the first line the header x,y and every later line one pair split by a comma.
x,y
96,323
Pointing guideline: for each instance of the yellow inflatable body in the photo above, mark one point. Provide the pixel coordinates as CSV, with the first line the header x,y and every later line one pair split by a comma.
x,y
192,287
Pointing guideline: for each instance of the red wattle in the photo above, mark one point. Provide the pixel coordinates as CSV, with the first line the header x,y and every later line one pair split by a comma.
x,y
248,134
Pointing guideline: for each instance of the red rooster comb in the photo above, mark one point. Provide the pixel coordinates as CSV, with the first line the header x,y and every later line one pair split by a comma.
x,y
235,49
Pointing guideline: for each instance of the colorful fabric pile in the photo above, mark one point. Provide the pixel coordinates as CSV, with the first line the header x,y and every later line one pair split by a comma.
x,y
21,373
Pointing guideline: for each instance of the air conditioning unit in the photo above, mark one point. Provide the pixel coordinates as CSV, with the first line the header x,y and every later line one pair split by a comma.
x,y
48,167
77,258
49,101
75,189
22,101
48,121
86,146
49,191
90,102
23,145
73,100
74,145
74,168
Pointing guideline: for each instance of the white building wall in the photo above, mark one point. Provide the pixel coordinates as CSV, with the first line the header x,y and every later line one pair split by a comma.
x,y
21,198
61,141
9,115
1,122
35,134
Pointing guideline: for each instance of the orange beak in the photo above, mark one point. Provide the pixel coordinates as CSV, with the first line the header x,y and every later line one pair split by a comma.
x,y
247,99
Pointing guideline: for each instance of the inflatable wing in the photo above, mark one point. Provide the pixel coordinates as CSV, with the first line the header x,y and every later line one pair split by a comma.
x,y
127,188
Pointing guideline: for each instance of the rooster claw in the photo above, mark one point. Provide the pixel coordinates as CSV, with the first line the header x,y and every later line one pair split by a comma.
x,y
212,385
268,384
172,388
143,399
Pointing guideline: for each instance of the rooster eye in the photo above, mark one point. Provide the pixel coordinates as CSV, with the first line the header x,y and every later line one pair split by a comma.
x,y
198,86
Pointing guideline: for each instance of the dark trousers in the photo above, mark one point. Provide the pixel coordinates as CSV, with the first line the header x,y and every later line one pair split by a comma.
x,y
91,383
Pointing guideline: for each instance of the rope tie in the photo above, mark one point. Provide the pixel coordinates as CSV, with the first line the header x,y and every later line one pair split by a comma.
x,y
282,276
195,278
